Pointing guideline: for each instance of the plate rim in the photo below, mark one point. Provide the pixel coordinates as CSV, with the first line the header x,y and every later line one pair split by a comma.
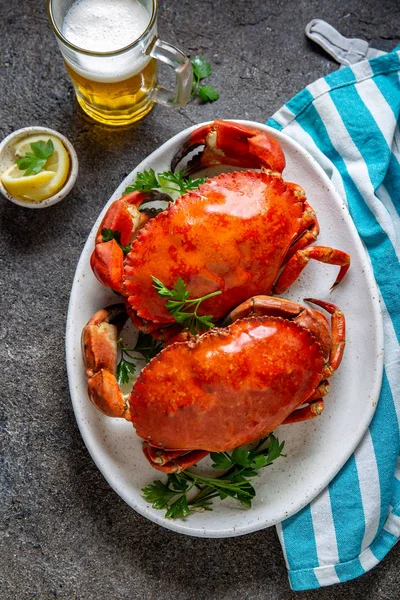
x,y
146,510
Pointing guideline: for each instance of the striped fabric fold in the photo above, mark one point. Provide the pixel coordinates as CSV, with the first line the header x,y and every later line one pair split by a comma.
x,y
349,122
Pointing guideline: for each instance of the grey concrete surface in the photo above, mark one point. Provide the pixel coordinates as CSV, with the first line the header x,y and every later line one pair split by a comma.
x,y
65,533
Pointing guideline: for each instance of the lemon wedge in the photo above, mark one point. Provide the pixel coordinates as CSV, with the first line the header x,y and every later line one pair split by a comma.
x,y
26,187
47,182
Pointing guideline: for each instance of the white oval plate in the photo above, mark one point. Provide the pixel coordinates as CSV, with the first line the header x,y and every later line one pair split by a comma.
x,y
315,450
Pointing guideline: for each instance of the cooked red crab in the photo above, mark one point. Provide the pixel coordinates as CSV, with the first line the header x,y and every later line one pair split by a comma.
x,y
243,233
227,387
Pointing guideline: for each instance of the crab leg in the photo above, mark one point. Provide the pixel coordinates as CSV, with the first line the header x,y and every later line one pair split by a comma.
x,y
309,220
172,461
264,305
159,456
228,143
99,341
308,232
314,408
338,328
299,260
312,320
306,239
320,391
306,413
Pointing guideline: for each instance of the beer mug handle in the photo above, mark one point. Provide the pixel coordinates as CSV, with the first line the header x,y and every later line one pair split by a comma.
x,y
176,59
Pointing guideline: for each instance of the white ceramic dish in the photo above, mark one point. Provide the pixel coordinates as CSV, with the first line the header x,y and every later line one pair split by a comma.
x,y
7,158
315,450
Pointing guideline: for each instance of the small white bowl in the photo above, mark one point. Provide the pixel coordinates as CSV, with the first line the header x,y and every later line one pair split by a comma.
x,y
7,159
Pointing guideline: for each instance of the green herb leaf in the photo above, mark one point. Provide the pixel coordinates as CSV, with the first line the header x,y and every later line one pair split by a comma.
x,y
207,93
193,184
201,68
176,180
33,162
175,307
274,448
205,322
180,288
179,182
177,509
163,291
158,494
259,462
166,181
147,346
182,309
110,234
125,370
180,485
240,456
43,149
144,182
221,460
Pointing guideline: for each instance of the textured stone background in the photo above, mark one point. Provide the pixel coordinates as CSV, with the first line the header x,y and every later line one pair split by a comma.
x,y
66,534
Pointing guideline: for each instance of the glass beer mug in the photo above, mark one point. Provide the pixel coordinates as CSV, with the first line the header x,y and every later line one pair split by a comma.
x,y
110,49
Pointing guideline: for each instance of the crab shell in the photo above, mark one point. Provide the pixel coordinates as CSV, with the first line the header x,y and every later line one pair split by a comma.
x,y
231,234
227,387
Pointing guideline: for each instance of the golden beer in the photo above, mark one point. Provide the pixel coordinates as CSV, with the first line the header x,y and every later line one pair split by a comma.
x,y
117,102
110,49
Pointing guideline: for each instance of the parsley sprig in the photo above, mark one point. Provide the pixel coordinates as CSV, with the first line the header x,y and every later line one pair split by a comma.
x,y
202,70
241,465
33,162
145,345
147,181
182,309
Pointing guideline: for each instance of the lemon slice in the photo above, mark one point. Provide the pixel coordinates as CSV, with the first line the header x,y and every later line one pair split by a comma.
x,y
58,164
26,187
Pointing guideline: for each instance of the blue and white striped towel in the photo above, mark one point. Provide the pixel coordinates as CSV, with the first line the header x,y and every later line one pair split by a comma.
x,y
349,122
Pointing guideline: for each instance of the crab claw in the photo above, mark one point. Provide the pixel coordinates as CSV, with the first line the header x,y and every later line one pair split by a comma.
x,y
118,228
99,341
107,263
172,461
228,143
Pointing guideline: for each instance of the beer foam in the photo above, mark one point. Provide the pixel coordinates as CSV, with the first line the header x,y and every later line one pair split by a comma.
x,y
104,26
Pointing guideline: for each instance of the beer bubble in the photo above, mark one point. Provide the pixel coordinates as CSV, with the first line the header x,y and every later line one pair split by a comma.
x,y
101,26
